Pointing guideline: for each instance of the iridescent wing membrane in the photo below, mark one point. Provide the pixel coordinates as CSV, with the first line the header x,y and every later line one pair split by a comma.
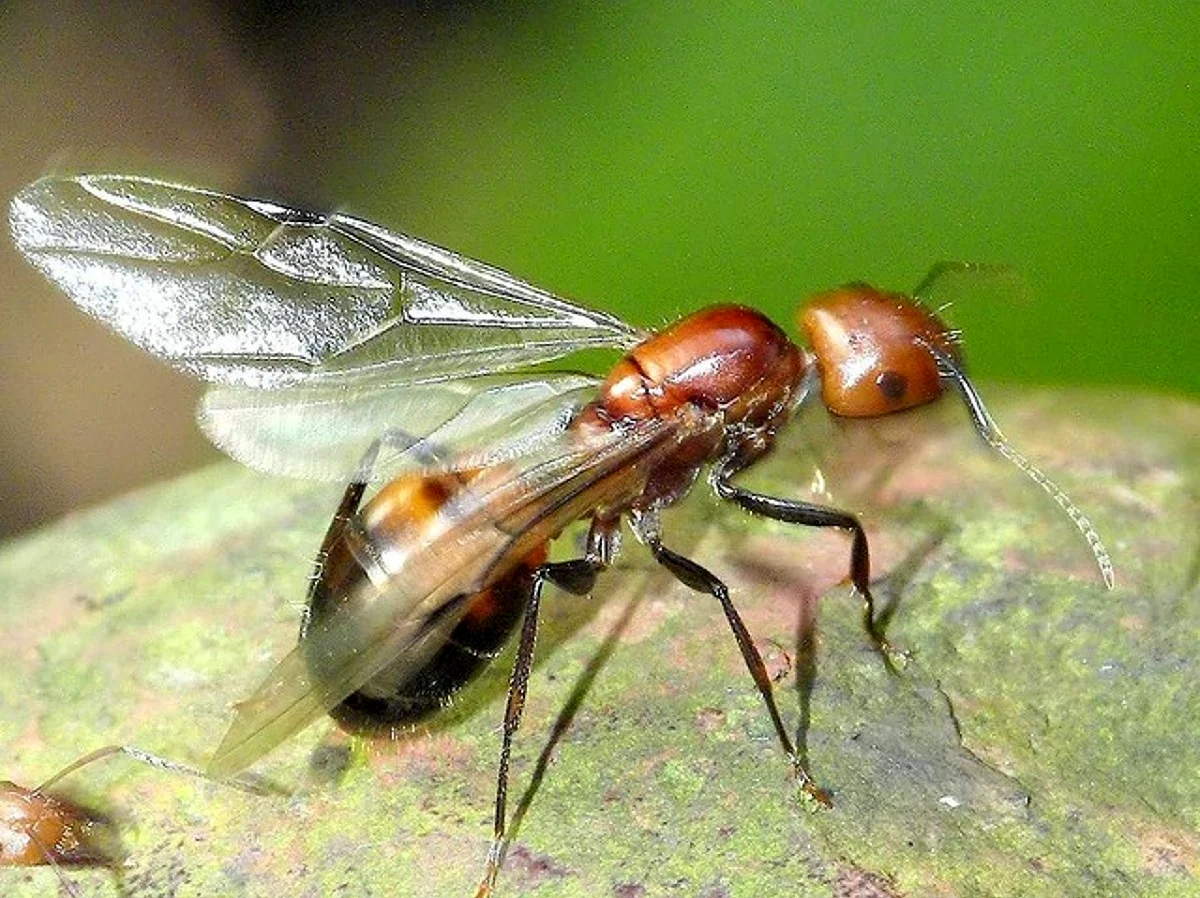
x,y
319,332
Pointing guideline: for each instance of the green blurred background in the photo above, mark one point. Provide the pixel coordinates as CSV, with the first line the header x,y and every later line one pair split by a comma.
x,y
647,158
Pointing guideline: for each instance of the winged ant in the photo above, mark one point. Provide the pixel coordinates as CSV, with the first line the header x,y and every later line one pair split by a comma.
x,y
336,349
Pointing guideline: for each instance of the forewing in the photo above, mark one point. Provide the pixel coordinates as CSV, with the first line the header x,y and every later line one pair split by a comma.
x,y
504,512
851,463
246,292
320,431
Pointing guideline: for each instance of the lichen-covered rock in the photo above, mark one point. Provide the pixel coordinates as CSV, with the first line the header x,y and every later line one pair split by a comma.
x,y
1044,740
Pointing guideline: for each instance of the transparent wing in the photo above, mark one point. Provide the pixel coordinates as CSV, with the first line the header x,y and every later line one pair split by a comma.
x,y
858,464
239,291
505,513
320,431
290,698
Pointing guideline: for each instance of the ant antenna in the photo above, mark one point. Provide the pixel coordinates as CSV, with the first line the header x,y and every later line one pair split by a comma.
x,y
150,760
987,428
23,812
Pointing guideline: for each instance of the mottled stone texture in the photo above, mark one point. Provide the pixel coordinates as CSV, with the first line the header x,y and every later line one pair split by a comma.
x,y
1043,741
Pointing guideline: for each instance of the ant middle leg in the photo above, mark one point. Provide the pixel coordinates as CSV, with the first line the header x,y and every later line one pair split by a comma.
x,y
694,576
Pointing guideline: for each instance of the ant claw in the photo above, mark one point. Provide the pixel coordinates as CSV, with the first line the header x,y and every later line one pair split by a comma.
x,y
809,789
895,659
817,795
899,657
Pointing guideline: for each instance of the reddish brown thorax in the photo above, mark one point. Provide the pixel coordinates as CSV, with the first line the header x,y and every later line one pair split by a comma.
x,y
868,345
724,358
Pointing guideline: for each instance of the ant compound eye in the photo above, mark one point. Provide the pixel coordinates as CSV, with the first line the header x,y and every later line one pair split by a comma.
x,y
893,385
872,350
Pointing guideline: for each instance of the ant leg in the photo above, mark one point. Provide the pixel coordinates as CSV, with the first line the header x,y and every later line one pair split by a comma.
x,y
791,511
693,576
346,508
577,577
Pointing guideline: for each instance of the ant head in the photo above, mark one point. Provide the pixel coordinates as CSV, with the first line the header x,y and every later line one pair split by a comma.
x,y
873,350
879,353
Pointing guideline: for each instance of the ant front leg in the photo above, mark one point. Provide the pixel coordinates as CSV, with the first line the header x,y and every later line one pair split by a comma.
x,y
577,577
791,511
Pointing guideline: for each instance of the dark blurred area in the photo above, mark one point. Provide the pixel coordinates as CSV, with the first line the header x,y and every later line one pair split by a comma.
x,y
250,97
646,159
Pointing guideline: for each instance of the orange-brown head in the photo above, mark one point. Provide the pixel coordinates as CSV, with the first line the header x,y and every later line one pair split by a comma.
x,y
37,828
873,350
881,352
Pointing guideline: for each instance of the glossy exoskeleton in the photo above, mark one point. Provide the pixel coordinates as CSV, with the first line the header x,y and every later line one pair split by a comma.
x,y
338,349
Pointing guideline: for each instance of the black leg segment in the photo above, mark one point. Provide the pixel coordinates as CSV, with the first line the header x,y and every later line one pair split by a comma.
x,y
692,575
791,511
577,577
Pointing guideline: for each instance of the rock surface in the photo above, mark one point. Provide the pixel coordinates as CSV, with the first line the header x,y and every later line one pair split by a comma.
x,y
1043,741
